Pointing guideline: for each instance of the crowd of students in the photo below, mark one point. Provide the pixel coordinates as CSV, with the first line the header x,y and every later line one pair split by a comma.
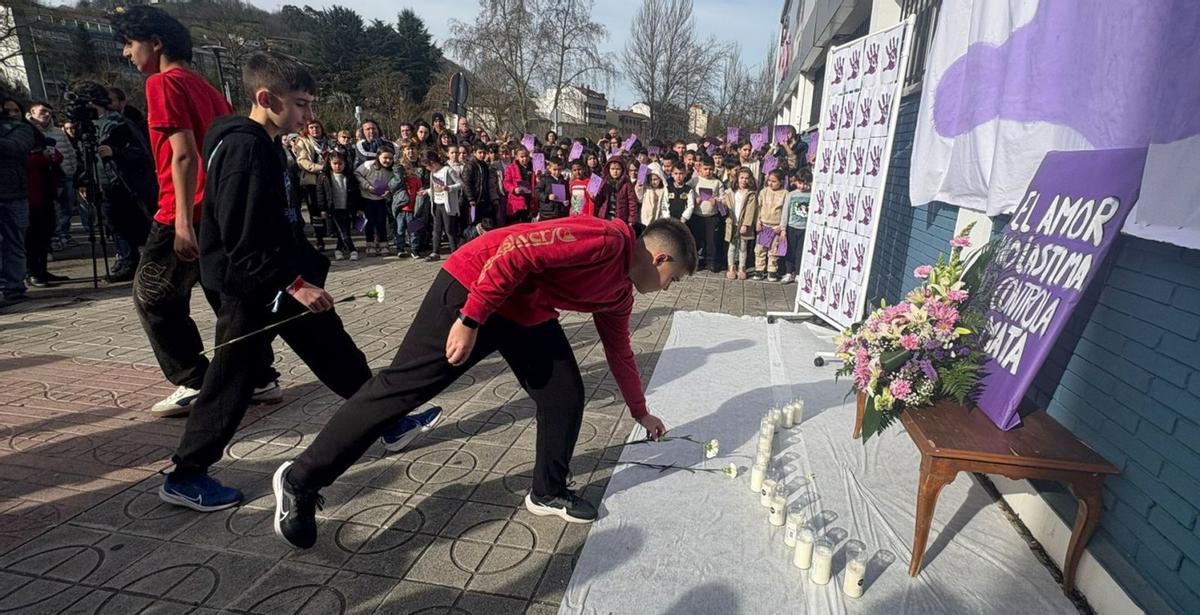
x,y
429,186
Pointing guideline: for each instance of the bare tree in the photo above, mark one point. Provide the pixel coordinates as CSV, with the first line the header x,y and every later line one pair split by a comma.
x,y
571,46
664,61
503,38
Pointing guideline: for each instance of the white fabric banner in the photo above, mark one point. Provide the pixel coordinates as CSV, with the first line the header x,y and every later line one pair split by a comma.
x,y
1007,81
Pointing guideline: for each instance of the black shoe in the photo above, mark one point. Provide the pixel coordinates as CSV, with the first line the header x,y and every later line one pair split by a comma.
x,y
432,258
50,277
568,507
295,510
123,274
36,281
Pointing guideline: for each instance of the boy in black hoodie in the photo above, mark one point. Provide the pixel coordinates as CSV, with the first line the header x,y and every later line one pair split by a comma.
x,y
551,204
263,274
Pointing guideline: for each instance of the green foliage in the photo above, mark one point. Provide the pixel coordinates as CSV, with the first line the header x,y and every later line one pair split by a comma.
x,y
957,380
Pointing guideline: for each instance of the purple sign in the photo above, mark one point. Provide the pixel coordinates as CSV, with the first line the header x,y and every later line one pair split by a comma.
x,y
379,187
769,164
576,151
710,149
628,144
781,133
594,184
731,134
1059,235
539,163
766,237
813,142
652,150
527,141
559,191
757,140
642,174
706,194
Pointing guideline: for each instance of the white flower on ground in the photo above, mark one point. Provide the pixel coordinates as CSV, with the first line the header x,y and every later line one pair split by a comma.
x,y
377,293
731,470
711,448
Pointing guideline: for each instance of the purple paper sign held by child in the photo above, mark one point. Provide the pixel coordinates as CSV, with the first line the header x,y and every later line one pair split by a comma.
x,y
710,149
766,236
576,151
757,140
559,191
731,134
379,187
594,184
706,194
769,164
781,133
628,144
642,175
539,163
652,150
527,141
781,248
360,224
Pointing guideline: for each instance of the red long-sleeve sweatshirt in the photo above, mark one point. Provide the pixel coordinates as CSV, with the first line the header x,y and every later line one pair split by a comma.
x,y
527,272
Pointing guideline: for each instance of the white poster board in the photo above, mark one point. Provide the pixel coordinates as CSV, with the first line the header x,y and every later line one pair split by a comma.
x,y
863,79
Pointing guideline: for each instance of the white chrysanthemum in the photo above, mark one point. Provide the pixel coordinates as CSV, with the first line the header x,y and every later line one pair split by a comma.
x,y
711,448
377,293
731,470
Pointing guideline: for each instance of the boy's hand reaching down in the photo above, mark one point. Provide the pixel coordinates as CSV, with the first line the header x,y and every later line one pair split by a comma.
x,y
654,426
459,343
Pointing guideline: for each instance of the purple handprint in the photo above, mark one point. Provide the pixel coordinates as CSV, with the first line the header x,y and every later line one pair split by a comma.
x,y
885,109
851,200
834,114
843,156
855,63
822,284
812,245
826,158
835,301
835,204
808,282
859,155
827,248
860,255
867,207
851,302
819,197
875,157
839,67
864,112
893,52
843,252
872,58
847,113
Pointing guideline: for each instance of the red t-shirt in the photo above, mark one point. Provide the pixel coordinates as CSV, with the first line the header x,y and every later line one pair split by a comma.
x,y
527,272
179,99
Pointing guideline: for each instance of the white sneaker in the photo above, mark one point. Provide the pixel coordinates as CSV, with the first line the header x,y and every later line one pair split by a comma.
x,y
337,255
354,255
267,394
787,279
179,402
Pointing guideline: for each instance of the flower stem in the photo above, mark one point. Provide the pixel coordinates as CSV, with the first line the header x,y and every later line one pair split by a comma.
x,y
663,467
273,325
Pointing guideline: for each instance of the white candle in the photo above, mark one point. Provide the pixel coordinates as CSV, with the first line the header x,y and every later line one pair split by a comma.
x,y
802,558
794,522
763,457
778,510
822,562
797,412
852,585
766,445
757,474
767,492
786,417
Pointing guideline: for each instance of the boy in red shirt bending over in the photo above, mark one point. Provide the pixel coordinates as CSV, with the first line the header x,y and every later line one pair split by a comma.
x,y
502,292
180,106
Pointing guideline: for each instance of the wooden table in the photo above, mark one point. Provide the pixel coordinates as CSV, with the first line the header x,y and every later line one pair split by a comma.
x,y
953,439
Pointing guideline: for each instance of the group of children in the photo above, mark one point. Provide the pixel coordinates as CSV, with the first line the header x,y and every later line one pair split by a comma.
x,y
421,194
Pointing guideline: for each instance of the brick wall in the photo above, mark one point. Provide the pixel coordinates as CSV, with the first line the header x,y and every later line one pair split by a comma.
x,y
1124,377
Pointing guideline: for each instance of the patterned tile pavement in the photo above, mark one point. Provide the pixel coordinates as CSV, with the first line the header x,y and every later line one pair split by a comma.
x,y
436,528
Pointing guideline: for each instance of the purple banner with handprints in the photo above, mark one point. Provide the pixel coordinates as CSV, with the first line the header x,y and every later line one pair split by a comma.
x,y
1057,239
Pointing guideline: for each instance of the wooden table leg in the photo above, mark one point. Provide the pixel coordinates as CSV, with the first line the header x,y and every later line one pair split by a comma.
x,y
1087,490
935,474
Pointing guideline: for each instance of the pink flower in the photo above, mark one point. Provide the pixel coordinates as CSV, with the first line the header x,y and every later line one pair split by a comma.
x,y
900,388
961,241
909,342
957,295
922,272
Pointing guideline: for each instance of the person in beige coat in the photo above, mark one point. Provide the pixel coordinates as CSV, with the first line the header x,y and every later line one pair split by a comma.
x,y
311,149
742,208
654,199
771,201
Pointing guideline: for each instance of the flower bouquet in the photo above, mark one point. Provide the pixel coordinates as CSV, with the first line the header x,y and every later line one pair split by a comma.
x,y
925,348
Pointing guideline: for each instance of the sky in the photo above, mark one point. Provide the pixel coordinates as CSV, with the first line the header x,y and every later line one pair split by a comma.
x,y
752,23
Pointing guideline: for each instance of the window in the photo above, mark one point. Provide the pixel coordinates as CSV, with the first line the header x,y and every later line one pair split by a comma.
x,y
924,29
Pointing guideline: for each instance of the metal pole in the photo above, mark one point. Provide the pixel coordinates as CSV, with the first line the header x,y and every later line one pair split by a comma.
x,y
221,73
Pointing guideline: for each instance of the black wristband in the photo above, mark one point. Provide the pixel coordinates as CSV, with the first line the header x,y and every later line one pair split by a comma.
x,y
467,321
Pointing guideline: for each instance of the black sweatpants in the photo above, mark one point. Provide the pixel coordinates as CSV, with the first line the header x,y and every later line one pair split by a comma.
x,y
319,340
540,356
443,222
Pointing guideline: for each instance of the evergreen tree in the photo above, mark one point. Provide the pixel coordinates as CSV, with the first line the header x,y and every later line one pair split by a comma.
x,y
417,56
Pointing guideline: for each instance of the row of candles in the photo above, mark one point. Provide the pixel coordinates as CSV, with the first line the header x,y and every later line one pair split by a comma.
x,y
811,552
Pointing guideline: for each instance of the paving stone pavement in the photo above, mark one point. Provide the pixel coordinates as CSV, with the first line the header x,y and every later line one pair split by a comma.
x,y
436,528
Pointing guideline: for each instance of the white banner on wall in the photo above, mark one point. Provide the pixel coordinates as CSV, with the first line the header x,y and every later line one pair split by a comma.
x,y
1007,82
863,80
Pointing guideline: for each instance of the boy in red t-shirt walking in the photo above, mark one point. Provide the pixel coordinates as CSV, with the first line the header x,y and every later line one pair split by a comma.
x,y
180,106
501,293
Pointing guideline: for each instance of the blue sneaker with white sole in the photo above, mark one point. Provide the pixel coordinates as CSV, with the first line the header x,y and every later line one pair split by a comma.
x,y
202,493
409,427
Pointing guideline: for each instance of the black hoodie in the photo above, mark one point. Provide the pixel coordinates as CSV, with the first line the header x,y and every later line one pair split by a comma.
x,y
247,247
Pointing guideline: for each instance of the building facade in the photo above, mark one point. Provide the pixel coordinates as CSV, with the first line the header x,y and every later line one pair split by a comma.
x,y
45,47
628,121
577,105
